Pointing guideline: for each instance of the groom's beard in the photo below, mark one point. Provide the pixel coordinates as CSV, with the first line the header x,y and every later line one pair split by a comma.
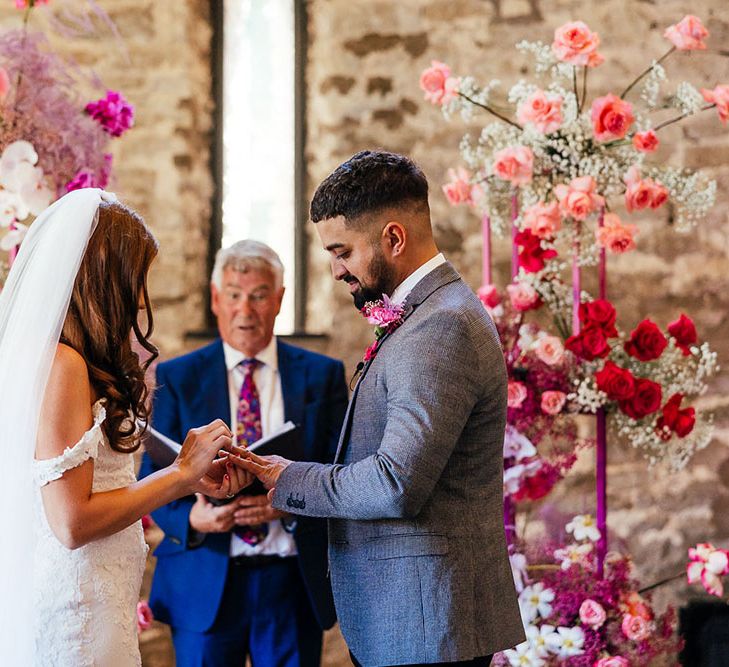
x,y
382,282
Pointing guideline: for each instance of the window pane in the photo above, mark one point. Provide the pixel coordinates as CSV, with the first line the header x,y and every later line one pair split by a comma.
x,y
258,132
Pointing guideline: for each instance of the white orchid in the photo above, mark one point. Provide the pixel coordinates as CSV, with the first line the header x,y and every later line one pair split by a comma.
x,y
519,570
583,527
567,642
573,553
535,601
523,655
24,188
514,475
539,638
517,445
14,237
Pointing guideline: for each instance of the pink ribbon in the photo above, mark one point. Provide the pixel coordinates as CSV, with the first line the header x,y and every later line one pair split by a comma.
x,y
601,436
514,232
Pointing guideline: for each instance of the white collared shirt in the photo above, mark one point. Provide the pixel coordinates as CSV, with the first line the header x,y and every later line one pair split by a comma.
x,y
406,286
268,383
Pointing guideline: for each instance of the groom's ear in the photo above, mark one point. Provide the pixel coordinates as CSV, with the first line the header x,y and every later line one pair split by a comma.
x,y
394,236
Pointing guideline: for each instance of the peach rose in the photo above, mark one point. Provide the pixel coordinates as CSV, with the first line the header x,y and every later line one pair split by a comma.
x,y
516,394
543,219
459,189
438,84
635,628
553,402
592,614
550,350
616,236
576,44
659,193
489,296
642,193
578,199
611,117
720,97
542,111
4,83
514,164
523,296
645,142
688,34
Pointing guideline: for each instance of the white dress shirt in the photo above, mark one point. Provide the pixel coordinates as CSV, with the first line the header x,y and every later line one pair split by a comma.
x,y
268,383
406,286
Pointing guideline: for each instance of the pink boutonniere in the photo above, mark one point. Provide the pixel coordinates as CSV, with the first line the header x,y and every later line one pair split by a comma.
x,y
386,316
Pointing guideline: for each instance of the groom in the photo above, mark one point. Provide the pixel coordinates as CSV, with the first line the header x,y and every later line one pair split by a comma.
x,y
418,557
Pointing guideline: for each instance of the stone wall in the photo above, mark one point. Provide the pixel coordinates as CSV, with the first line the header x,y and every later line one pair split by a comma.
x,y
364,62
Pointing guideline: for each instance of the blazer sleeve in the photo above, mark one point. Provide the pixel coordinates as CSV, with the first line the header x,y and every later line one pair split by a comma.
x,y
172,518
433,385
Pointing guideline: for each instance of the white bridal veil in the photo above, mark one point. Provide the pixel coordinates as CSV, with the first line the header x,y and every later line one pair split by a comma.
x,y
33,307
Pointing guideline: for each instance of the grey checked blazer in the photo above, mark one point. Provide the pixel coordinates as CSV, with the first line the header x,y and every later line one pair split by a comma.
x,y
418,558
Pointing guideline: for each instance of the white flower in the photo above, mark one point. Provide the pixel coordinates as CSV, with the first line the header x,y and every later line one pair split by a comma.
x,y
10,208
36,195
14,237
538,638
519,570
583,528
514,475
535,601
523,656
572,553
566,642
25,190
517,445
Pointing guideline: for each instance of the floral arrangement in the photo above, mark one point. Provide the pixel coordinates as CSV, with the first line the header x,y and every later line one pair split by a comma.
x,y
52,140
573,617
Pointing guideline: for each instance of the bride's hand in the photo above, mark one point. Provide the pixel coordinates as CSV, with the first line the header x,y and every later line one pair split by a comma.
x,y
199,455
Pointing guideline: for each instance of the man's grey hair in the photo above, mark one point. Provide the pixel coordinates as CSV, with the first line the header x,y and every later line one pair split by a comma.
x,y
244,256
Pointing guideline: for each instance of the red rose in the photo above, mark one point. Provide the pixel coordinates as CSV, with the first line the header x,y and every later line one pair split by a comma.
x,y
647,342
645,401
684,333
680,422
590,344
531,253
618,383
601,313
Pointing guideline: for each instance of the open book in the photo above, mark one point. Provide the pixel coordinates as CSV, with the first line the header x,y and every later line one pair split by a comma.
x,y
282,442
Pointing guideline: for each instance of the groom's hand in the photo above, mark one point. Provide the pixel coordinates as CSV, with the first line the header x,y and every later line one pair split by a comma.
x,y
267,468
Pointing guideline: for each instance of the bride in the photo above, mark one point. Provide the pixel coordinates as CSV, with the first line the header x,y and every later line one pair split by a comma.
x,y
72,394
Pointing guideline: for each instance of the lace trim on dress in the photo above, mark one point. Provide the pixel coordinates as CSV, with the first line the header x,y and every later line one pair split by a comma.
x,y
48,470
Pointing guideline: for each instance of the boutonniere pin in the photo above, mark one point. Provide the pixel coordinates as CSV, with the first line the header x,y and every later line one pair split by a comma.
x,y
386,316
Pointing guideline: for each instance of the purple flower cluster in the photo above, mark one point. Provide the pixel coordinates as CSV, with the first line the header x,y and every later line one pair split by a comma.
x,y
113,113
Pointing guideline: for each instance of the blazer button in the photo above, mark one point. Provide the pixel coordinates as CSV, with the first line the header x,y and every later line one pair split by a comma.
x,y
289,502
302,505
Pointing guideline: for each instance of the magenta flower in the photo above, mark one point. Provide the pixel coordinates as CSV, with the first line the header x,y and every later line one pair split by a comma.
x,y
382,313
113,113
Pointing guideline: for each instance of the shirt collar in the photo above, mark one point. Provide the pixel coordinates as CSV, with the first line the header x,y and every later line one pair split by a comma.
x,y
267,356
406,286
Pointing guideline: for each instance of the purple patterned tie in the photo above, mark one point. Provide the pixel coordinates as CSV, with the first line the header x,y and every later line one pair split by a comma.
x,y
248,430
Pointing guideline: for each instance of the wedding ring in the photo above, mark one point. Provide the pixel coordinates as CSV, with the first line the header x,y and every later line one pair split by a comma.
x,y
230,495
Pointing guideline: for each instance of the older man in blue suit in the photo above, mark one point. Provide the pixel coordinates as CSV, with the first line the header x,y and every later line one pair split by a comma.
x,y
243,579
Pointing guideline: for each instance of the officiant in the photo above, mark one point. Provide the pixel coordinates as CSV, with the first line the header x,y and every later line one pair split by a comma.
x,y
242,579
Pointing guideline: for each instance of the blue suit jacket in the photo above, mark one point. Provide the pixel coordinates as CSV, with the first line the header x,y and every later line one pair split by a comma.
x,y
192,390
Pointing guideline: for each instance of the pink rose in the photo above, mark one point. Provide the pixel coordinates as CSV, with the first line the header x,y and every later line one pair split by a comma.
x,y
611,117
459,189
688,34
438,84
635,628
514,164
642,193
489,296
592,614
578,199
523,296
612,661
616,236
550,350
645,142
553,402
576,44
144,616
542,111
720,97
543,219
516,394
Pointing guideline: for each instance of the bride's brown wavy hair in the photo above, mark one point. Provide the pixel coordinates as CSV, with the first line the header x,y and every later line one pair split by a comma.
x,y
103,313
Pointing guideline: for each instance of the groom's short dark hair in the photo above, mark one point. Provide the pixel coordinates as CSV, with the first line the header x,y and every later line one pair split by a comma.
x,y
367,183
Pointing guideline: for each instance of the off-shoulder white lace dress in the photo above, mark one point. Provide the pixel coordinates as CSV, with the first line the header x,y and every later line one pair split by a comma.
x,y
86,598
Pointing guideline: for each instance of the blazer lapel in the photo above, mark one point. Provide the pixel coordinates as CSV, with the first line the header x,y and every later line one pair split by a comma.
x,y
442,275
214,386
292,371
